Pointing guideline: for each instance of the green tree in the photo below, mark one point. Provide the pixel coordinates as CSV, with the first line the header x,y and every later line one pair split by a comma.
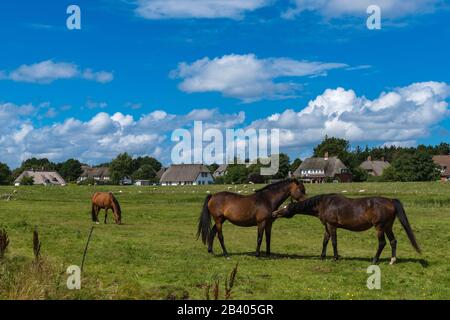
x,y
70,169
359,175
34,163
121,167
236,173
145,172
284,167
335,147
295,164
5,174
418,166
150,161
213,167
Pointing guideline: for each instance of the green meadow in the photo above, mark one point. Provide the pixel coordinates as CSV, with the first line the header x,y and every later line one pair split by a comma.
x,y
155,254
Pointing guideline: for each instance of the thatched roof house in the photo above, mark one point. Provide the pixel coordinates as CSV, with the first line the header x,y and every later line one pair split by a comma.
x,y
220,171
374,167
321,169
443,162
98,174
41,178
187,174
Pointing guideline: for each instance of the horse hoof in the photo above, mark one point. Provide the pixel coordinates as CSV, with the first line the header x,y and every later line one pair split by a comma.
x,y
97,222
323,257
393,260
336,258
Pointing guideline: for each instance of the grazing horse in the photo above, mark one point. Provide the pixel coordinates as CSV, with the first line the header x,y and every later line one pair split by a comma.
x,y
246,211
336,211
105,200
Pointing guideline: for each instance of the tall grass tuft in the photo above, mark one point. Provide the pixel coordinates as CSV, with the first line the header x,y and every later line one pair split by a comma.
x,y
4,242
215,286
229,282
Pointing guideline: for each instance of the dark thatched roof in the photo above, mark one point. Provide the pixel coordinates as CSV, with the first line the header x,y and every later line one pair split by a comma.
x,y
42,177
331,166
375,166
98,172
183,172
220,170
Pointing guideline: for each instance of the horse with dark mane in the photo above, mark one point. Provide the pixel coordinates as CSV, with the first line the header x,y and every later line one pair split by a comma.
x,y
246,211
336,211
105,200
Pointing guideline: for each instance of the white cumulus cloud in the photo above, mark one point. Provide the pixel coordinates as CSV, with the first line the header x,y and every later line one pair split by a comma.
x,y
247,77
396,117
339,8
203,9
47,71
100,138
400,116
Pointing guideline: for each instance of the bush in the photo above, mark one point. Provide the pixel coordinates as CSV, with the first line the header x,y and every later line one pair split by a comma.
x,y
27,181
412,167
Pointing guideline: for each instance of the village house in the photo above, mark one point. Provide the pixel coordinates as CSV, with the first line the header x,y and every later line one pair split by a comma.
x,y
317,169
46,178
187,174
443,162
100,174
220,171
142,183
374,167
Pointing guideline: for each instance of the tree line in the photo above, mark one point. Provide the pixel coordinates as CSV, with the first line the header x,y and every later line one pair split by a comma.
x,y
123,165
407,164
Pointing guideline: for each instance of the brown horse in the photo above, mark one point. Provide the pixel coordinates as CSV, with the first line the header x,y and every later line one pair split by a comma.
x,y
246,211
336,211
105,200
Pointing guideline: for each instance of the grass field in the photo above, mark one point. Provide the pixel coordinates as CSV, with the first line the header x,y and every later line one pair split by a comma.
x,y
155,255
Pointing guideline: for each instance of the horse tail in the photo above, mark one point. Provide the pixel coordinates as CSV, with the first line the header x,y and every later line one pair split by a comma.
x,y
401,214
204,222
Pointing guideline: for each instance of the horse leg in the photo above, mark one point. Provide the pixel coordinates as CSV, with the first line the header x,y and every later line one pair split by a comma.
x,y
333,235
393,243
381,244
220,236
97,211
106,214
212,234
261,227
268,237
326,238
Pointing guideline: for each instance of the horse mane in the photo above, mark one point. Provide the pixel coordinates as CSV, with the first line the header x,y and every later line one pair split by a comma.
x,y
116,203
278,184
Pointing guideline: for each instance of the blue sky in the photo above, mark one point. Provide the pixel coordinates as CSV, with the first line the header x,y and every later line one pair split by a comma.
x,y
139,69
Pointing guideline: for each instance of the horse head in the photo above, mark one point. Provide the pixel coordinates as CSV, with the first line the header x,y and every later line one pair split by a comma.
x,y
297,190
